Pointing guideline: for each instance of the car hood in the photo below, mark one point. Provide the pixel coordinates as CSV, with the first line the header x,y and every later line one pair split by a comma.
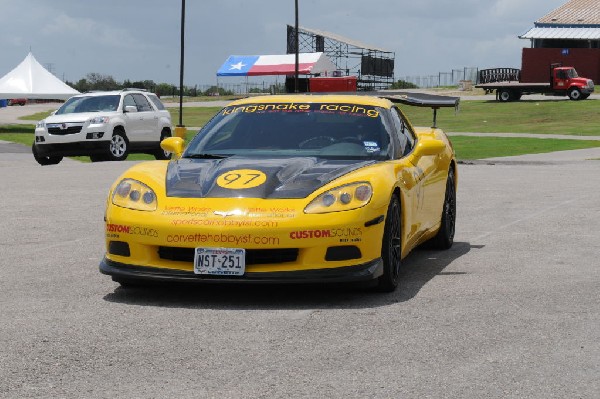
x,y
242,177
74,117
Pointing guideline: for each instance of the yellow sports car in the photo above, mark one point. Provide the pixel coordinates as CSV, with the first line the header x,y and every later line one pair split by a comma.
x,y
294,189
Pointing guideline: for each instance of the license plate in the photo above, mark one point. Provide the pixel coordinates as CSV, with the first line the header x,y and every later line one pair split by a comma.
x,y
220,261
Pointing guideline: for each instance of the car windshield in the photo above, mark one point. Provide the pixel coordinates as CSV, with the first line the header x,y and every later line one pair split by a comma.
x,y
81,104
332,130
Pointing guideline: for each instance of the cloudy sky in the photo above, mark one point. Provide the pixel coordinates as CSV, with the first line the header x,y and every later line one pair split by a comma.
x,y
139,40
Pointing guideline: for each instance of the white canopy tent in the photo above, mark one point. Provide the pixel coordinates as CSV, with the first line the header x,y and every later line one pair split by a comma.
x,y
31,80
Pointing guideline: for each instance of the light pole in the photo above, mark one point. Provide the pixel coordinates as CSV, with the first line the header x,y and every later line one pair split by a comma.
x,y
180,129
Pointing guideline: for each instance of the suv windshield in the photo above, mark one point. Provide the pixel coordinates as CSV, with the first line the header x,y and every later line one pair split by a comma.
x,y
294,129
81,104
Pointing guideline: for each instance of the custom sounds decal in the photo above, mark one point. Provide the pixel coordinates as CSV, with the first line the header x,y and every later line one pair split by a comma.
x,y
113,230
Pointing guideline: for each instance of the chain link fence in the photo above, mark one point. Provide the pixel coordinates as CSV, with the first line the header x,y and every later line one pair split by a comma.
x,y
456,77
463,78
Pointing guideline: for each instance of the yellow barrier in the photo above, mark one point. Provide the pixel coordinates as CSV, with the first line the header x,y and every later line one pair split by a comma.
x,y
180,131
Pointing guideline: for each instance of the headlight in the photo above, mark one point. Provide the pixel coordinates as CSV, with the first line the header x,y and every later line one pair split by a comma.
x,y
40,124
133,194
343,198
99,120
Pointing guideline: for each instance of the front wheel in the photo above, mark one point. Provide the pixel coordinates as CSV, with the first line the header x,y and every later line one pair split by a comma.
x,y
391,248
575,94
45,160
119,147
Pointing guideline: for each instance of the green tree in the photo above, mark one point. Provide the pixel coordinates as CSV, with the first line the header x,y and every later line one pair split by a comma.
x,y
97,81
402,84
214,90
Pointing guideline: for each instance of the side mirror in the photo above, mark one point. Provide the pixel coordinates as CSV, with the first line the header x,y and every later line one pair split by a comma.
x,y
174,145
429,147
130,108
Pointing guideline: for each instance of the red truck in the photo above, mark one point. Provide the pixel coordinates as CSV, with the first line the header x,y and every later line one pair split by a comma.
x,y
563,81
17,101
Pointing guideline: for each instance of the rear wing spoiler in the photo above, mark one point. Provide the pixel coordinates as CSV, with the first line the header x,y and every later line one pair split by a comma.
x,y
432,101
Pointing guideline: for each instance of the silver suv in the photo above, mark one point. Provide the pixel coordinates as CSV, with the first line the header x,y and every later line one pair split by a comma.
x,y
107,126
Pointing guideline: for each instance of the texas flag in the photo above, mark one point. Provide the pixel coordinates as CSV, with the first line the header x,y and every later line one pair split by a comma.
x,y
254,65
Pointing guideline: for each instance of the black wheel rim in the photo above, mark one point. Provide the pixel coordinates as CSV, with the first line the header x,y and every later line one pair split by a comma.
x,y
395,241
450,208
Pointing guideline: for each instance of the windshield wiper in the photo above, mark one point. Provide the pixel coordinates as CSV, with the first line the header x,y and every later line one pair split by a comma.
x,y
205,156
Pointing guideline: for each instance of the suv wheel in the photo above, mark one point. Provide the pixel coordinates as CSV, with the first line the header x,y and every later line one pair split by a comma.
x,y
119,146
161,154
45,160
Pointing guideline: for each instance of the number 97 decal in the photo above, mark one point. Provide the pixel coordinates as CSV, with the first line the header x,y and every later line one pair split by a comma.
x,y
241,179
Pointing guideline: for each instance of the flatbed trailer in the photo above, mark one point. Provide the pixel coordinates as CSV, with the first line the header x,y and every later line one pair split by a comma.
x,y
512,91
563,81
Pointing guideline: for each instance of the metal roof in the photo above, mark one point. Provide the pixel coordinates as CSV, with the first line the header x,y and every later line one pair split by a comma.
x,y
574,12
342,39
562,33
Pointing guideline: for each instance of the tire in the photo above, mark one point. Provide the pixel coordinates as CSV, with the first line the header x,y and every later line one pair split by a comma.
x,y
445,236
161,154
98,158
575,94
391,248
45,160
119,146
505,95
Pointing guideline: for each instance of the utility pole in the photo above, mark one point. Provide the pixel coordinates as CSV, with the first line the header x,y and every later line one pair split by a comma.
x,y
297,49
180,130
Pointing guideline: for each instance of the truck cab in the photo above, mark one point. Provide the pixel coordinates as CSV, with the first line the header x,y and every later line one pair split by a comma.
x,y
565,80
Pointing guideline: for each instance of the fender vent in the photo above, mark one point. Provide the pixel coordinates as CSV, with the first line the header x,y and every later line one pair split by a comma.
x,y
118,248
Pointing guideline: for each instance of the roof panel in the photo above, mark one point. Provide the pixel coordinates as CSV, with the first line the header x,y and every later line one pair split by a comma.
x,y
574,12
562,33
342,39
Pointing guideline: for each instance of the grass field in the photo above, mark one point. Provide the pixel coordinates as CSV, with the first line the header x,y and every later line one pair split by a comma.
x,y
548,117
489,147
541,117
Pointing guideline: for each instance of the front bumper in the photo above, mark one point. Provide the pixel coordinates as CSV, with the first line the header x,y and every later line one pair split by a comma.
x,y
73,149
356,273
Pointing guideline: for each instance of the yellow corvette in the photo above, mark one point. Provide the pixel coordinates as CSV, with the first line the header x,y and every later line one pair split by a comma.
x,y
294,188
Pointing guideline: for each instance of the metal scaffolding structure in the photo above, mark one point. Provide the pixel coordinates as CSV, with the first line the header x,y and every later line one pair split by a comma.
x,y
373,66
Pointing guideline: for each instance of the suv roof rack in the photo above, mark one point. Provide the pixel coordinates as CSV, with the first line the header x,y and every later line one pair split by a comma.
x,y
133,89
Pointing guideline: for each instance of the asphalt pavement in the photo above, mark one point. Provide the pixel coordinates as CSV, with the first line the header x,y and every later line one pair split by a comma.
x,y
511,311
